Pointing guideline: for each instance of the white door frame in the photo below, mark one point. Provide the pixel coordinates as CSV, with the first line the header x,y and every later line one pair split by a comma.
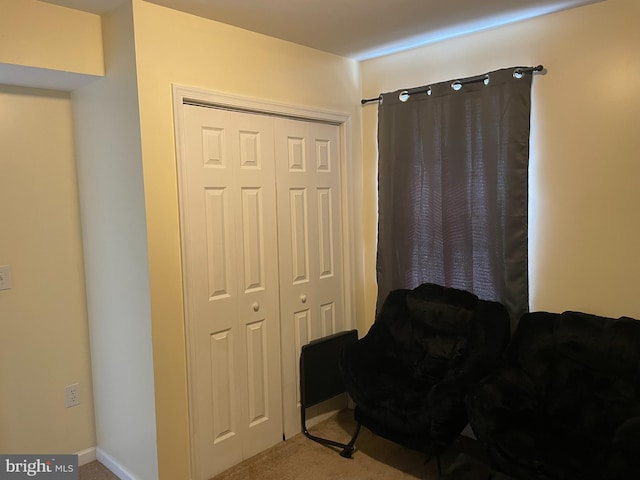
x,y
195,96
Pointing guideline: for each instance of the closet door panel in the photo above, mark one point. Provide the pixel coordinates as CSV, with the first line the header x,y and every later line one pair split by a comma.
x,y
231,285
262,244
310,246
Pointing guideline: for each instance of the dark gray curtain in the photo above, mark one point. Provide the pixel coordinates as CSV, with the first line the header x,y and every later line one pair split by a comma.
x,y
453,188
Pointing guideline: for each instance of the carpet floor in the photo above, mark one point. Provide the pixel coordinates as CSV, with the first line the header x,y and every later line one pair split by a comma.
x,y
95,471
374,459
300,458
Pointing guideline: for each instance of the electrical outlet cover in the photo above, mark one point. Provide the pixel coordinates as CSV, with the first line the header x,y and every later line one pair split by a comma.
x,y
5,277
72,395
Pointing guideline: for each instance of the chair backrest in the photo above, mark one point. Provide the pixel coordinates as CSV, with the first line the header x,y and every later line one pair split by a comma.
x,y
434,328
586,367
600,343
320,376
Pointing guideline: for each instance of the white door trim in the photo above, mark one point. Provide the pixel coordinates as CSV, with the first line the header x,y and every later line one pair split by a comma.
x,y
196,96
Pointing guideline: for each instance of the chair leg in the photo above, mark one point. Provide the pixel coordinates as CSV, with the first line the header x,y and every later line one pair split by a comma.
x,y
347,448
350,447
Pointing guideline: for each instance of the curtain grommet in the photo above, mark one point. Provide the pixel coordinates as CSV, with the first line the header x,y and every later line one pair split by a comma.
x,y
403,96
457,85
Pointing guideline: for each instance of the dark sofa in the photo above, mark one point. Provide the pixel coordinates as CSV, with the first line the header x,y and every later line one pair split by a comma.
x,y
409,375
565,403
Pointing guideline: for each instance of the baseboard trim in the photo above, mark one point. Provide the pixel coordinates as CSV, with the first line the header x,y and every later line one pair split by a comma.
x,y
85,456
117,469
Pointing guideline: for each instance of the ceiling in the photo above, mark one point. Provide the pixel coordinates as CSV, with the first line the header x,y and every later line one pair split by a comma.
x,y
359,29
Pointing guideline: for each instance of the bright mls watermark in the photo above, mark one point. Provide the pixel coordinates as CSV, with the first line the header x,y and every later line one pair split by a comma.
x,y
39,467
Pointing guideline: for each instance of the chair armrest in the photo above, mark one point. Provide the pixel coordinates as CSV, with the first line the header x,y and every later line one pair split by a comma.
x,y
515,389
623,461
446,401
627,435
503,399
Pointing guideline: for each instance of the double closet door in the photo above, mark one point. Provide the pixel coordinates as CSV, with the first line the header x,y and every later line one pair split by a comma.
x,y
262,245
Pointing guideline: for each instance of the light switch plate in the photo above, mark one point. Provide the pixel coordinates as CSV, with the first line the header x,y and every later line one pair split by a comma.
x,y
5,277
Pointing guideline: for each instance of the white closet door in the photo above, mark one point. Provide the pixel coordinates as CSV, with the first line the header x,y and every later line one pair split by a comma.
x,y
228,202
310,245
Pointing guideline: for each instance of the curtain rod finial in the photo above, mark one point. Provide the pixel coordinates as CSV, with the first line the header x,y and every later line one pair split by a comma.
x,y
369,100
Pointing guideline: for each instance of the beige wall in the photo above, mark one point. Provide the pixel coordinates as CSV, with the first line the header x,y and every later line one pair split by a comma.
x,y
585,151
172,47
45,36
44,343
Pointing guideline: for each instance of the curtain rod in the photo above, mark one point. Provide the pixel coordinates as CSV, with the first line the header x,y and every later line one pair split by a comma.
x,y
463,81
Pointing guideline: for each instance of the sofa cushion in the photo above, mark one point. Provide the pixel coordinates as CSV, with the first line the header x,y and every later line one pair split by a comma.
x,y
565,402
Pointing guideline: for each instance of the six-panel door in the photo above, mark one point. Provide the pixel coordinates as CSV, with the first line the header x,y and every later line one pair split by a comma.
x,y
310,245
261,207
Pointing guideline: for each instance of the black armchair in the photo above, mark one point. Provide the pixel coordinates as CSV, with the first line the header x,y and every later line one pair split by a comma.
x,y
565,404
409,375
